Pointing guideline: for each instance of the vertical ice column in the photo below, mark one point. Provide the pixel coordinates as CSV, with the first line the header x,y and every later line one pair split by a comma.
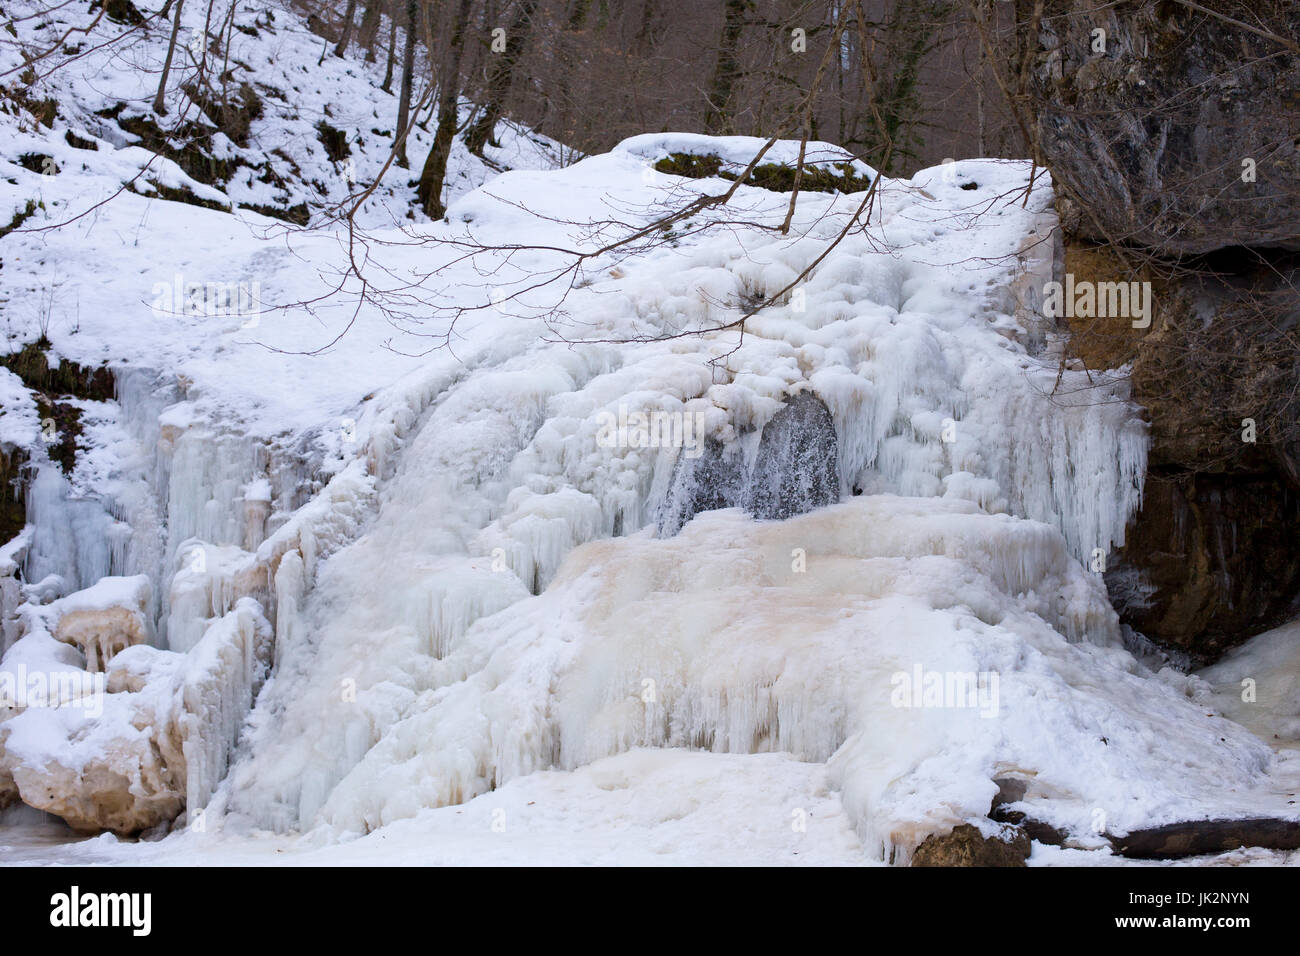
x,y
223,674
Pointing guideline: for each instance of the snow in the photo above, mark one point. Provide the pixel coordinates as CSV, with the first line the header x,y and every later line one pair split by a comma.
x,y
104,594
1258,685
398,587
737,152
745,655
641,808
19,422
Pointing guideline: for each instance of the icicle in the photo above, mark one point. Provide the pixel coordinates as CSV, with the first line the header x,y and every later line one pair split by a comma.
x,y
221,678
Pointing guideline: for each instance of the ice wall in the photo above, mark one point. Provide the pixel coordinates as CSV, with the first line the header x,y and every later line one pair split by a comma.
x,y
934,391
724,638
432,577
155,474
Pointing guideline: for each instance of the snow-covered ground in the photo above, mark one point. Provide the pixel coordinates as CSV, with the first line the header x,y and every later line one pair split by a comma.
x,y
487,648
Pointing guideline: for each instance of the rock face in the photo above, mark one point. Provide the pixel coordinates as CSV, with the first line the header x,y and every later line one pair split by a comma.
x,y
1209,560
794,471
716,479
1152,134
8,789
1146,130
967,846
13,512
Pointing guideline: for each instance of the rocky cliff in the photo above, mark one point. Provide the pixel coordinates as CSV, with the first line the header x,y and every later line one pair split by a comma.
x,y
1173,136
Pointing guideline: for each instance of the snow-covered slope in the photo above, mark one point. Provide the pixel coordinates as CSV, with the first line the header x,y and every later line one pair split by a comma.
x,y
399,532
258,116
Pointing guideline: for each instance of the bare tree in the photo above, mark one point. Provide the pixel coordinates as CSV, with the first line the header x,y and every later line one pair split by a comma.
x,y
159,101
434,173
408,75
387,85
369,28
725,70
500,78
346,37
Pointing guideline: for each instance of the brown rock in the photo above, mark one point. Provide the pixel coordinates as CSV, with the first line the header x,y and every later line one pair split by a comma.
x,y
967,846
1012,790
1209,560
8,789
134,780
126,790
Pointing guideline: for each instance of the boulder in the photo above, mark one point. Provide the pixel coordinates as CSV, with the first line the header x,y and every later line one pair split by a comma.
x,y
967,845
716,479
122,769
796,469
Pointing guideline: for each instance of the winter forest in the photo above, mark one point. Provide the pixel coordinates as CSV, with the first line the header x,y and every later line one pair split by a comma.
x,y
650,432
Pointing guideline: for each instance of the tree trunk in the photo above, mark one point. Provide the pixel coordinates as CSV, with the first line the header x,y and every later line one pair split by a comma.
x,y
408,74
434,173
569,67
346,38
726,70
387,86
503,71
159,103
369,31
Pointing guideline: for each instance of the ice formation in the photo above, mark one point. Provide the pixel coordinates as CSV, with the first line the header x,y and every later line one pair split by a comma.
x,y
726,638
881,340
401,581
107,617
158,738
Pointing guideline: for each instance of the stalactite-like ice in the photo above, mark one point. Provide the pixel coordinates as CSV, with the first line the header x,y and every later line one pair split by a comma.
x,y
108,617
208,582
413,664
159,739
222,676
933,391
73,537
717,639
